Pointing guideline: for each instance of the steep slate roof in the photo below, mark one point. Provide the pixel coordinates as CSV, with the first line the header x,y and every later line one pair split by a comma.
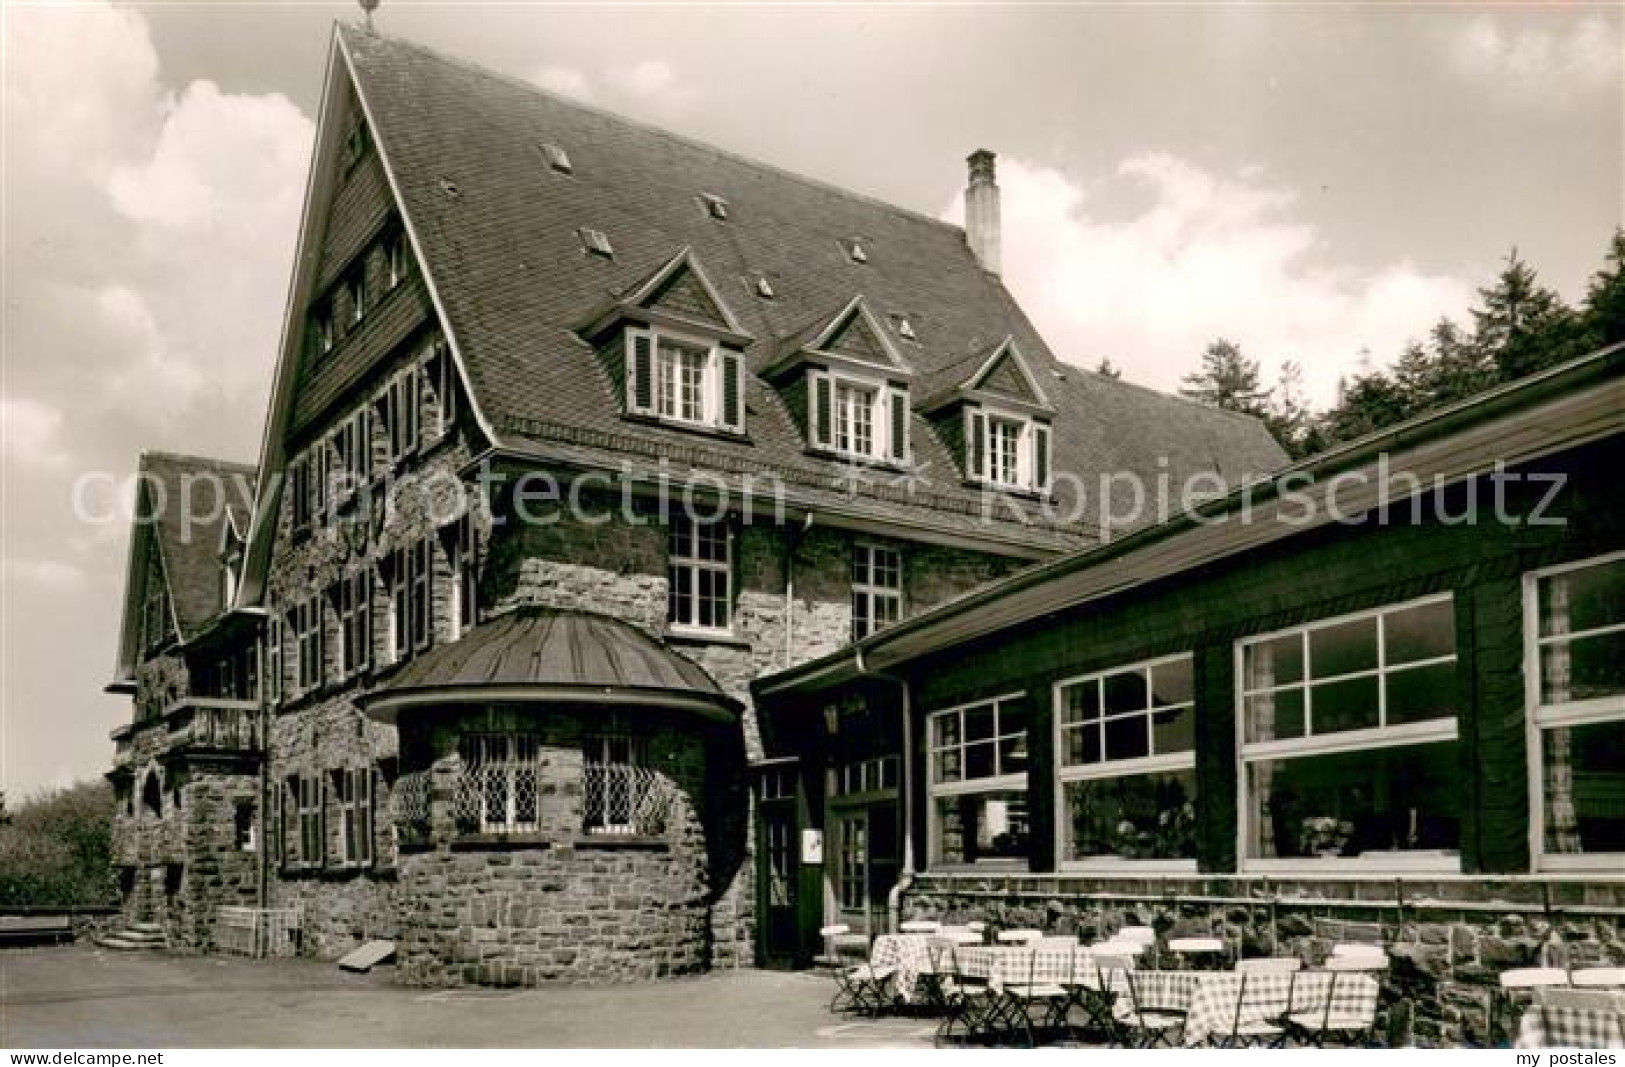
x,y
189,537
504,256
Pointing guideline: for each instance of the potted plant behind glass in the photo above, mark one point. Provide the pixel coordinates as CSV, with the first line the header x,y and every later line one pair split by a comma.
x,y
1325,835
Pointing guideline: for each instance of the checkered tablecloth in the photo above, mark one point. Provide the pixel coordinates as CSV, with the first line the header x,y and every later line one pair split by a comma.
x,y
910,954
1003,965
1570,1028
1211,998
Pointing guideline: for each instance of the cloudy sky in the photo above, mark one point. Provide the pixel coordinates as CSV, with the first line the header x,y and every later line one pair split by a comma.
x,y
1313,182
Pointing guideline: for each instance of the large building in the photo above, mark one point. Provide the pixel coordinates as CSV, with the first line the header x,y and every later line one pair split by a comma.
x,y
578,429
1377,697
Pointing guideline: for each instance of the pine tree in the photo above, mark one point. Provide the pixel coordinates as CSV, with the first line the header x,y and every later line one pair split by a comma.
x,y
1108,369
1603,316
1228,380
1287,416
1523,326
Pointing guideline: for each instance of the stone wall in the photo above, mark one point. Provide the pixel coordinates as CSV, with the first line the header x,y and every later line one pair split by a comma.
x,y
557,904
1448,938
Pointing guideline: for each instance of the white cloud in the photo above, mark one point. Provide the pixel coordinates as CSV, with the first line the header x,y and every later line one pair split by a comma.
x,y
1208,256
566,81
652,88
31,435
1544,65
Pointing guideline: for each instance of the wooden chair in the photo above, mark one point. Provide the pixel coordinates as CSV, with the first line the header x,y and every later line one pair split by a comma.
x,y
1092,991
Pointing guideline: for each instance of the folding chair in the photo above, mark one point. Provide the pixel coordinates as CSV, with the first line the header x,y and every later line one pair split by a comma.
x,y
1199,953
1249,1029
1153,1024
967,1002
1334,1022
1021,998
1097,997
861,988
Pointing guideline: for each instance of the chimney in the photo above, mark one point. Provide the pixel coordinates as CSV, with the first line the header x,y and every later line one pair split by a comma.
x,y
982,210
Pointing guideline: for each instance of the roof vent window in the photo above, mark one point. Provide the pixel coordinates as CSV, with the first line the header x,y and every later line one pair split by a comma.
x,y
764,288
854,248
449,187
596,242
715,206
905,328
557,158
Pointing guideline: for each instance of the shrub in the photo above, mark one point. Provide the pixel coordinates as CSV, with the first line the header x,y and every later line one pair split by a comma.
x,y
56,848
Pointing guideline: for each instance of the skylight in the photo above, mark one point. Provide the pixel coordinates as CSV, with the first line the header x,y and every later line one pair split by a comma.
x,y
715,206
854,248
764,288
596,242
905,328
557,158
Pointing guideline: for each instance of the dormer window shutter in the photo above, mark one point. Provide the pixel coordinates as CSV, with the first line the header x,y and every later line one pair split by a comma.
x,y
1041,457
733,391
899,423
640,395
819,418
975,443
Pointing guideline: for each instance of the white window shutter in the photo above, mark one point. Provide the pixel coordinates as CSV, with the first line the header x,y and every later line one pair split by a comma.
x,y
820,403
640,372
732,383
1041,457
896,424
976,444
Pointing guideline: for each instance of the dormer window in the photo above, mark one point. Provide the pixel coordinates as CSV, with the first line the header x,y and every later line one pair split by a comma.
x,y
684,379
715,206
596,242
859,418
557,159
1007,451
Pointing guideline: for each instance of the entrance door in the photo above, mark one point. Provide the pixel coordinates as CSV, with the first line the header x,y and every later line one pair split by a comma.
x,y
777,871
865,865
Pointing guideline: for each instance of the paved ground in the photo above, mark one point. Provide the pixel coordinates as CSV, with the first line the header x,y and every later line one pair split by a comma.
x,y
84,997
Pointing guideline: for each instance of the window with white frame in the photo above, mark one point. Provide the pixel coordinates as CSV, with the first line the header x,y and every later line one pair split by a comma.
x,y
310,847
1126,752
699,574
855,418
1575,677
686,380
877,588
409,572
1006,450
1348,739
398,408
462,547
273,658
397,260
978,776
497,792
355,294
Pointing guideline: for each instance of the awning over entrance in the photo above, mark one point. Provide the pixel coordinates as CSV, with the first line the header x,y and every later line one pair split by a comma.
x,y
536,654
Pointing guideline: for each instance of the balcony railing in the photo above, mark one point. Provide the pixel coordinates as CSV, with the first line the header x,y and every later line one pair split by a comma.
x,y
215,724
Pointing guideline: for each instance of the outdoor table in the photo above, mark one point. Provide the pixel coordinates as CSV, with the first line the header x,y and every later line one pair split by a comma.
x,y
908,954
1554,1027
1002,965
1210,997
